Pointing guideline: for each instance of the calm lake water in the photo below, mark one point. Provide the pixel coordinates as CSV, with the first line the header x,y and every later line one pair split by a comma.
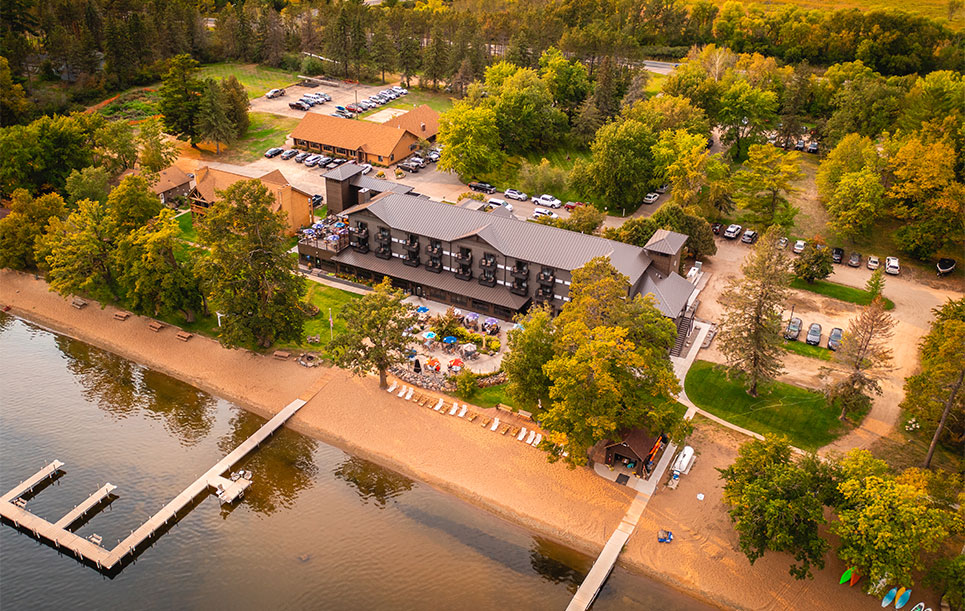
x,y
318,529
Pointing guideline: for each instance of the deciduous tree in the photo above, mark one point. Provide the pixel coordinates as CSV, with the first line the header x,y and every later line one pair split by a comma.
x,y
116,146
23,227
470,141
746,112
531,346
90,183
622,167
764,182
156,152
856,204
815,262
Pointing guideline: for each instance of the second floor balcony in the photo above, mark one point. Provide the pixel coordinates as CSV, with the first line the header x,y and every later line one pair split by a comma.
x,y
488,263
487,280
411,261
519,272
463,257
464,272
433,250
412,246
383,252
519,288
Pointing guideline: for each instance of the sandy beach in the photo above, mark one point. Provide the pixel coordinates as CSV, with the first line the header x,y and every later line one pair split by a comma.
x,y
514,480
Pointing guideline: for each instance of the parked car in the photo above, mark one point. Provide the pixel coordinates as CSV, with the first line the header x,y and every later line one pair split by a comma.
x,y
873,262
342,114
366,168
799,145
813,148
289,154
749,237
308,101
837,254
834,338
500,203
571,206
354,108
799,247
854,260
312,161
275,93
316,200
300,157
482,187
408,167
716,227
399,90
419,161
298,105
334,163
541,212
650,198
274,152
891,266
782,244
732,231
945,266
434,156
547,200
814,334
323,161
517,195
327,97
663,189
793,330
339,108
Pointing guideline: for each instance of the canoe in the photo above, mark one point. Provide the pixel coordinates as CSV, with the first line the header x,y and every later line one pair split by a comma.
x,y
855,578
845,576
903,599
889,597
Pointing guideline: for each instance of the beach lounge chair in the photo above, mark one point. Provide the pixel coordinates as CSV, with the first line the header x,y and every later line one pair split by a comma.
x,y
455,408
462,412
522,433
536,442
495,424
392,387
472,416
408,395
425,401
513,431
403,391
506,429
439,404
485,422
532,436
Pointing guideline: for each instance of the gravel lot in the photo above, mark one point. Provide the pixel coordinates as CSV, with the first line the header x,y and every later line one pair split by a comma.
x,y
343,95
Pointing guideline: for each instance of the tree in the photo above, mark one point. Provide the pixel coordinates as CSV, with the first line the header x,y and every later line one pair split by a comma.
x,y
383,52
90,183
180,98
116,147
524,109
854,153
637,91
236,104
13,101
584,219
470,141
777,504
687,166
531,346
746,112
622,166
568,81
23,227
213,121
856,204
669,112
935,395
606,95
876,283
764,182
435,59
39,156
248,274
750,329
587,121
156,152
948,575
377,335
153,279
815,261
410,56
866,356
542,178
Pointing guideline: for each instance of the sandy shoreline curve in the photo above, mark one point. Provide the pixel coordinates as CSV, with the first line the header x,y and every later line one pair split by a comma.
x,y
513,480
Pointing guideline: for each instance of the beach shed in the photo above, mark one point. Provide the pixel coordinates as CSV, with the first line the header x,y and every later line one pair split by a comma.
x,y
634,451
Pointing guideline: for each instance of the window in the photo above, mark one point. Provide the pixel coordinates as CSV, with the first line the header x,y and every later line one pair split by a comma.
x,y
380,157
392,157
480,305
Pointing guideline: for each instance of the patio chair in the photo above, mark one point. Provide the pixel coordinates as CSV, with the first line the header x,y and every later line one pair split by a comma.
x,y
408,395
536,442
462,412
403,391
522,433
532,436
495,424
392,387
455,407
439,404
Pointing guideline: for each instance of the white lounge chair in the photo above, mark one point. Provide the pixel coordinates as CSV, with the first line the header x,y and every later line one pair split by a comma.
x,y
455,407
522,433
393,387
402,392
439,404
408,395
462,412
495,424
539,438
532,436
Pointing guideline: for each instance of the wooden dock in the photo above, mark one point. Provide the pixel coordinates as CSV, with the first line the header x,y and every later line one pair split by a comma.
x,y
114,559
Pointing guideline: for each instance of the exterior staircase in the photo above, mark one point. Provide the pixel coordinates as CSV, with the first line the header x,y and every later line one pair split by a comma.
x,y
683,330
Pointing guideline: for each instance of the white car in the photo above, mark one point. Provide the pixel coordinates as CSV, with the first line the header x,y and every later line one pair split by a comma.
x,y
873,262
500,203
799,247
547,200
891,266
366,168
650,198
541,212
517,195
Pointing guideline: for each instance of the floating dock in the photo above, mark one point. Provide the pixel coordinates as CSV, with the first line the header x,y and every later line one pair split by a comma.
x,y
12,505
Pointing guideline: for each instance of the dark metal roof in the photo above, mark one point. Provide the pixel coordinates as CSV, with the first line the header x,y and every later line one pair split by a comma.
x,y
343,172
378,185
638,441
445,281
671,292
532,242
666,242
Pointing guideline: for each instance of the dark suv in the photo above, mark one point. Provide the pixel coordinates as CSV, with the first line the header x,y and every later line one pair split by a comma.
x,y
482,187
837,255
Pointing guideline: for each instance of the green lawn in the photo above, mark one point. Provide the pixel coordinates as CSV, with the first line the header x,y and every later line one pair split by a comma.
x,y
489,396
188,232
265,131
440,102
805,349
802,415
325,298
838,291
258,80
655,84
133,105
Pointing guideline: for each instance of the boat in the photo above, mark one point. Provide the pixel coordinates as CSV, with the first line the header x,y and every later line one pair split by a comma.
x,y
845,576
855,578
889,597
919,607
945,266
903,599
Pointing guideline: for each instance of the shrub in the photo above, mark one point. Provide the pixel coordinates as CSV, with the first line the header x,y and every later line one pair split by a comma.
x,y
466,383
312,66
542,178
471,195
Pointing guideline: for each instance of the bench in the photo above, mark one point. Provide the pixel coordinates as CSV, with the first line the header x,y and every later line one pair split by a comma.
x,y
155,326
281,355
78,303
122,316
184,336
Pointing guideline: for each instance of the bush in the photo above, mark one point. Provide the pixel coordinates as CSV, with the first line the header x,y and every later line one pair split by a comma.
x,y
542,178
466,383
312,66
471,195
291,62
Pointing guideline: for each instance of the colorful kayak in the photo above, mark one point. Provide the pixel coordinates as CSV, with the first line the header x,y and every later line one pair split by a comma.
x,y
845,576
855,578
903,599
889,597
919,607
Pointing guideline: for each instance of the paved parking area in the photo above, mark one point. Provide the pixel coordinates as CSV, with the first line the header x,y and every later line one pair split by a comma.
x,y
344,94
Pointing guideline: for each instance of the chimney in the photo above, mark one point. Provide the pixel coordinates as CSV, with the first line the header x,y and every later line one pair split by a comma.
x,y
423,127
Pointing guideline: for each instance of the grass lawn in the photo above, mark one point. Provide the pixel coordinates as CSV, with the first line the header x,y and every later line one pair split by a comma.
x,y
325,298
439,102
489,396
265,131
655,84
258,80
133,105
805,349
802,415
838,291
188,232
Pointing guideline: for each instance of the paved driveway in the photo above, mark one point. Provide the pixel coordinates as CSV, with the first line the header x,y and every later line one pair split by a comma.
x,y
344,94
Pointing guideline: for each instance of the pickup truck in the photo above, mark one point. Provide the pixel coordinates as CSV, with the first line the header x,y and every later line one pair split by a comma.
x,y
547,200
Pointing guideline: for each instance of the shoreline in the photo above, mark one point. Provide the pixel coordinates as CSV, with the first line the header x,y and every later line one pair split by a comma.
x,y
573,507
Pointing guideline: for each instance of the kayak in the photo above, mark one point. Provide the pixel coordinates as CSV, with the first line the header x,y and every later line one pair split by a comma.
x,y
919,607
903,599
889,597
855,578
846,576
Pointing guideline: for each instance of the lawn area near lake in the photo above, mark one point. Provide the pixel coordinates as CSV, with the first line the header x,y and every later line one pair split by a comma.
x,y
258,80
326,299
838,291
802,415
489,396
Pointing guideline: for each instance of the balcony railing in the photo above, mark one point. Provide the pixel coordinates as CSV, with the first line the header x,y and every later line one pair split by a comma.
x,y
383,253
546,278
544,292
434,266
487,280
412,246
362,247
434,251
383,238
521,273
488,263
464,273
464,257
411,261
519,289
362,234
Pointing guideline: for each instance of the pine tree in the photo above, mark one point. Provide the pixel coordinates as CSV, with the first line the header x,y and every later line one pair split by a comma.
x,y
436,59
410,56
382,51
213,122
180,96
237,104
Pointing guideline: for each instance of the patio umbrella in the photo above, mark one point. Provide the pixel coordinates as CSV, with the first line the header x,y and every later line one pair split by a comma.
x,y
339,224
468,348
422,309
429,335
449,339
318,225
492,321
456,363
472,316
433,363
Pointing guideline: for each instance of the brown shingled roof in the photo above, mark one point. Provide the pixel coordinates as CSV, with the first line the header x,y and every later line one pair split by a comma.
x,y
374,138
170,178
421,121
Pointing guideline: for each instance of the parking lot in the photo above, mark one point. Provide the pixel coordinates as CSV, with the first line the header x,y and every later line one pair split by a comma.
x,y
342,95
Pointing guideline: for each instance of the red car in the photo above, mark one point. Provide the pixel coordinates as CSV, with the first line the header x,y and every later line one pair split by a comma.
x,y
572,205
354,108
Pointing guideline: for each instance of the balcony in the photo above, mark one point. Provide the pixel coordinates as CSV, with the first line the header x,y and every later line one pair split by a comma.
x,y
544,292
411,261
362,234
434,251
487,280
488,263
546,278
464,273
464,258
361,246
412,246
434,266
519,288
383,252
383,238
520,273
